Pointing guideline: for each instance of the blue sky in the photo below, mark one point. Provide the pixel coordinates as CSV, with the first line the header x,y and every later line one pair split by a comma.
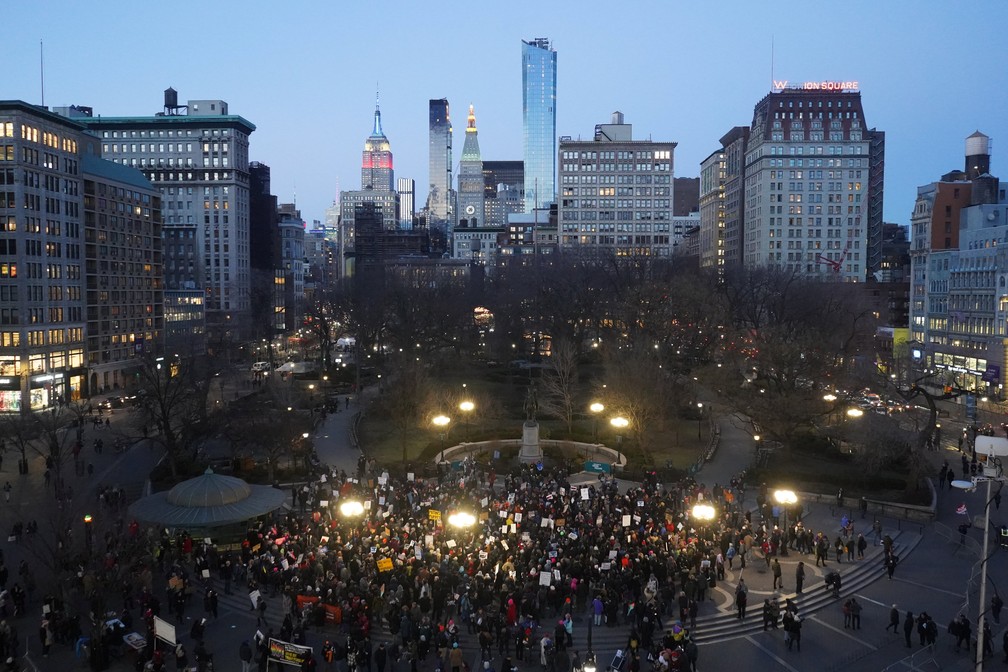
x,y
305,73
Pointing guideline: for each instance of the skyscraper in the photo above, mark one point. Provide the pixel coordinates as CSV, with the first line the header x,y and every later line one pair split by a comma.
x,y
197,155
809,181
539,136
406,186
440,165
376,161
470,189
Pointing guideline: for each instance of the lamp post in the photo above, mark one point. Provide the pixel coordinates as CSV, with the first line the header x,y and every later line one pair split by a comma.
x,y
595,408
461,519
784,499
441,422
992,471
699,422
829,399
619,423
704,512
466,407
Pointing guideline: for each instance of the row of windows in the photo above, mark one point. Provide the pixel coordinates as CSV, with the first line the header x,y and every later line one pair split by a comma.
x,y
170,133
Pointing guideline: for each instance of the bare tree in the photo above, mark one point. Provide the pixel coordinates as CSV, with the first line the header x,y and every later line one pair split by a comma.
x,y
407,400
174,400
560,382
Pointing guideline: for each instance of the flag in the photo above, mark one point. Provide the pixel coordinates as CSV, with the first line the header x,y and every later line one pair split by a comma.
x,y
961,510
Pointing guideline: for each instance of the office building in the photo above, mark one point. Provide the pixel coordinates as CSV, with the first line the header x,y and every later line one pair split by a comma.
x,y
267,278
439,197
470,181
808,183
503,190
42,281
711,235
290,236
539,137
123,275
406,188
197,156
733,146
685,195
616,193
377,181
959,266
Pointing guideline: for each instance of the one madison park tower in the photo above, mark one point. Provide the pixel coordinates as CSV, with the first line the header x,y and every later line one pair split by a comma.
x,y
539,82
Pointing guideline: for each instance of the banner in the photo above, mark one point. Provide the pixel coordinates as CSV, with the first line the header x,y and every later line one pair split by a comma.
x,y
433,514
287,653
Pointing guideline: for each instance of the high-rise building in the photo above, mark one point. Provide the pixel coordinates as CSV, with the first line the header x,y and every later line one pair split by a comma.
x,y
267,276
539,138
122,253
958,300
197,156
503,190
406,188
80,263
291,234
376,161
616,193
470,188
439,199
807,183
733,144
377,181
710,237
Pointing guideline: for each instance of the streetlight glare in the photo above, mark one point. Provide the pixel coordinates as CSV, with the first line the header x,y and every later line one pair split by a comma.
x,y
619,422
467,406
829,397
441,420
596,407
785,497
351,508
461,519
703,512
854,412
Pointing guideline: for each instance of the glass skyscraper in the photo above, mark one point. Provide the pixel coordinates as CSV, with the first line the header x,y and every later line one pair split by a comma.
x,y
440,165
539,122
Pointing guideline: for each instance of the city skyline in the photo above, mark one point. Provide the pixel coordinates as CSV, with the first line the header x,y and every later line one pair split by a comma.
x,y
671,74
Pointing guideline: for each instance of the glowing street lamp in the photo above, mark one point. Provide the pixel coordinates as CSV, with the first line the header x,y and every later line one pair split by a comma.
x,y
467,407
854,412
699,422
351,508
703,512
595,408
619,423
461,519
441,422
785,498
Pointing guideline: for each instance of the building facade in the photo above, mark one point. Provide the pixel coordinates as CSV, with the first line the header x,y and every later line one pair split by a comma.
x,y
712,211
406,188
616,194
42,280
503,190
197,156
807,184
470,210
539,137
123,272
959,273
439,197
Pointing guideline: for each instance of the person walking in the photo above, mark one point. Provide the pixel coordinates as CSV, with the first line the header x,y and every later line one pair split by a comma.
x,y
894,620
890,564
862,544
855,609
776,568
261,611
245,656
799,577
908,627
741,596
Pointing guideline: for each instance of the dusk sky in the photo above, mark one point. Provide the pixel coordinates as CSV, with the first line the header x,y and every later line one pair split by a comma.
x,y
305,73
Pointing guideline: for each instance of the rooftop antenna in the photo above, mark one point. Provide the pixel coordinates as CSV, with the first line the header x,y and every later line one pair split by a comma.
x,y
42,70
772,82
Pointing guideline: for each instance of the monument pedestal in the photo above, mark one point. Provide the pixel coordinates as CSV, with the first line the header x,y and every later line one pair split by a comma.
x,y
530,451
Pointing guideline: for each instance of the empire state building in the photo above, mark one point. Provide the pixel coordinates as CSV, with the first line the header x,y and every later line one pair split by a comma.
x,y
376,162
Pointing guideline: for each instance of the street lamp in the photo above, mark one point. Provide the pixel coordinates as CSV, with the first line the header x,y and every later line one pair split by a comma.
x,y
785,498
854,412
351,508
699,422
704,512
595,408
992,471
467,407
461,519
619,423
441,422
